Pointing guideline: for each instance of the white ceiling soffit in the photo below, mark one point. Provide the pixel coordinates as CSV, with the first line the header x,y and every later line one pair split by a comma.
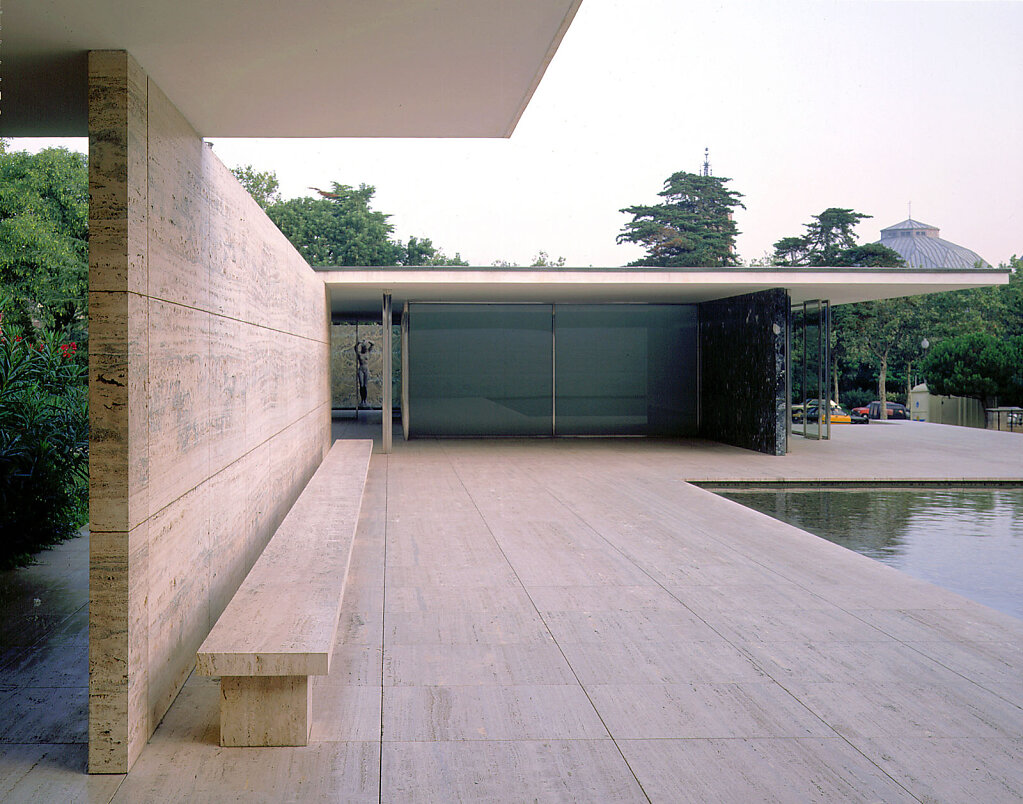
x,y
308,68
358,290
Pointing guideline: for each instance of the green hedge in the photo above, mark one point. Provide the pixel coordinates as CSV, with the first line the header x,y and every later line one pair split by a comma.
x,y
44,441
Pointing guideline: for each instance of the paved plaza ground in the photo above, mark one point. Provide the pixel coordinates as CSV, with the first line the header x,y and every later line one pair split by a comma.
x,y
571,620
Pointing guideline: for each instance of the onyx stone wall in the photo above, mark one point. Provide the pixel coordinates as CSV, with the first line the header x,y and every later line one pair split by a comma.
x,y
742,370
209,398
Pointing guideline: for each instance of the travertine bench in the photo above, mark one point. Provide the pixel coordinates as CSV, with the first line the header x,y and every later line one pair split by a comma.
x,y
280,626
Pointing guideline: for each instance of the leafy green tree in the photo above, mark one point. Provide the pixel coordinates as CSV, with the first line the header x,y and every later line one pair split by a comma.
x,y
977,365
879,330
693,227
1012,297
869,255
263,186
831,241
421,251
44,232
876,332
339,228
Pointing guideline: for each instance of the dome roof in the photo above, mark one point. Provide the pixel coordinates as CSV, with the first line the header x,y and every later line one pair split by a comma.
x,y
919,245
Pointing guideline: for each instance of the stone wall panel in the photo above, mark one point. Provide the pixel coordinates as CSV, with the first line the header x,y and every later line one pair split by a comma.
x,y
179,408
742,370
209,398
179,595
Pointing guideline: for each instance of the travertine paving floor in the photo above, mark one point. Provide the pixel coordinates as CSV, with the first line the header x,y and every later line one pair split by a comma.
x,y
572,621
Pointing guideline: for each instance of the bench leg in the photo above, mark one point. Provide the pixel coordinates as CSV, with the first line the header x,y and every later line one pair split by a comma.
x,y
264,710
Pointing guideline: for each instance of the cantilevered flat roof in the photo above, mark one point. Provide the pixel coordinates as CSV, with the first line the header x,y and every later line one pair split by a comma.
x,y
266,68
357,291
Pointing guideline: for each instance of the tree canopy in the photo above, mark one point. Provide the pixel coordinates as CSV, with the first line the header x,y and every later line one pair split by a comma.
x,y
693,227
830,241
421,251
541,260
340,227
979,365
263,186
870,331
44,233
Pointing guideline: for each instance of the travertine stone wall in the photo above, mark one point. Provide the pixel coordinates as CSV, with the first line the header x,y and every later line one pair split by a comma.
x,y
209,397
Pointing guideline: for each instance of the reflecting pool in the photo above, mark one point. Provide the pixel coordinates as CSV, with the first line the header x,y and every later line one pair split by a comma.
x,y
966,540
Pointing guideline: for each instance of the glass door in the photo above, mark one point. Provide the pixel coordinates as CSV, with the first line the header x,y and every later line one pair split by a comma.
x,y
810,364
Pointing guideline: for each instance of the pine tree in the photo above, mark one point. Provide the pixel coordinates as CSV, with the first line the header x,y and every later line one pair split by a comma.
x,y
693,227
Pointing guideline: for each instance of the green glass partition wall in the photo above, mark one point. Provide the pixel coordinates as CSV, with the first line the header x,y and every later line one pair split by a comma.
x,y
480,369
542,370
625,369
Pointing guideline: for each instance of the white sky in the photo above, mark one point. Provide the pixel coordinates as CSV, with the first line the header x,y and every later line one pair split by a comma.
x,y
868,104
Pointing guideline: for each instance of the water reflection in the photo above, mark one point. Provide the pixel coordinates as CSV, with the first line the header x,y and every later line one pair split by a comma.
x,y
966,540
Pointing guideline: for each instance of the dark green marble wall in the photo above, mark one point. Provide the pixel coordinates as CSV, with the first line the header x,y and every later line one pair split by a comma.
x,y
742,370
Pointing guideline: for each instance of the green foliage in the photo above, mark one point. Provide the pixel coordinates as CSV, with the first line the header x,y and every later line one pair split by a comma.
x,y
541,260
1012,297
978,365
693,227
869,332
857,398
830,241
262,185
340,228
869,255
44,253
421,251
44,466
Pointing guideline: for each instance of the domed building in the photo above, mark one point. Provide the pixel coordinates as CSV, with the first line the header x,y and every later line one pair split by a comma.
x,y
919,245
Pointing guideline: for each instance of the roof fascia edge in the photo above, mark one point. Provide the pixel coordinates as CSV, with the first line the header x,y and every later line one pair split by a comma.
x,y
542,69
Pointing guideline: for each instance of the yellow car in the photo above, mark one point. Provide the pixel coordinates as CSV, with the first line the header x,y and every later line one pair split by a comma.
x,y
838,415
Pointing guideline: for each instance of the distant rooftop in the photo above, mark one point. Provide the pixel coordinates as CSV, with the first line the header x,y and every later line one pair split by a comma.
x,y
919,245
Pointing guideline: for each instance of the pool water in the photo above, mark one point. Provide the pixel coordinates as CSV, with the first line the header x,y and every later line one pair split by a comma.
x,y
967,540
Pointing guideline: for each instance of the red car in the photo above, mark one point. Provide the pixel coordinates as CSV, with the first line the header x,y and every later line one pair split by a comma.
x,y
873,410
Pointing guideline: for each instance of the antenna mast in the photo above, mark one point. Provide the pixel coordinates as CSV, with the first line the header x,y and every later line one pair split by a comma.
x,y
706,162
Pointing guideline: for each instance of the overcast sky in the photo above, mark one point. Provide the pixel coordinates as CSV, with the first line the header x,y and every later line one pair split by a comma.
x,y
869,104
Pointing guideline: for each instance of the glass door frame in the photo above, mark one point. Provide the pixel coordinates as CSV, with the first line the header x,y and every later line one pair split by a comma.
x,y
820,309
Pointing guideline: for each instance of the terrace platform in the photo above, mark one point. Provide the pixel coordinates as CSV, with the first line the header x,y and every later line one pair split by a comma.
x,y
572,620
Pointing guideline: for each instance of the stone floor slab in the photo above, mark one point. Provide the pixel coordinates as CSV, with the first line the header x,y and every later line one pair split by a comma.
x,y
444,665
909,708
523,770
825,771
36,773
748,710
345,713
545,712
638,662
467,628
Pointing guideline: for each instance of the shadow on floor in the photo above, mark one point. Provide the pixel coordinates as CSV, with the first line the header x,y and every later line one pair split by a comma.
x,y
44,663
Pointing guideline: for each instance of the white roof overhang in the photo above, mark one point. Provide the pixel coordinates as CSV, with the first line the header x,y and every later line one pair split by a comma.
x,y
263,68
357,292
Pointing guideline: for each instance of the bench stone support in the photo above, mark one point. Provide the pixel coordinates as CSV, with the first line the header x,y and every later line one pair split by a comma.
x,y
265,710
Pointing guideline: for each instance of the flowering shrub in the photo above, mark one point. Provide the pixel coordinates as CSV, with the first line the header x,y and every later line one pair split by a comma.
x,y
44,464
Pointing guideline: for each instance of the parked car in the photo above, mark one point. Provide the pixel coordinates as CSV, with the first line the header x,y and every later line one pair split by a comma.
x,y
809,409
838,415
873,410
